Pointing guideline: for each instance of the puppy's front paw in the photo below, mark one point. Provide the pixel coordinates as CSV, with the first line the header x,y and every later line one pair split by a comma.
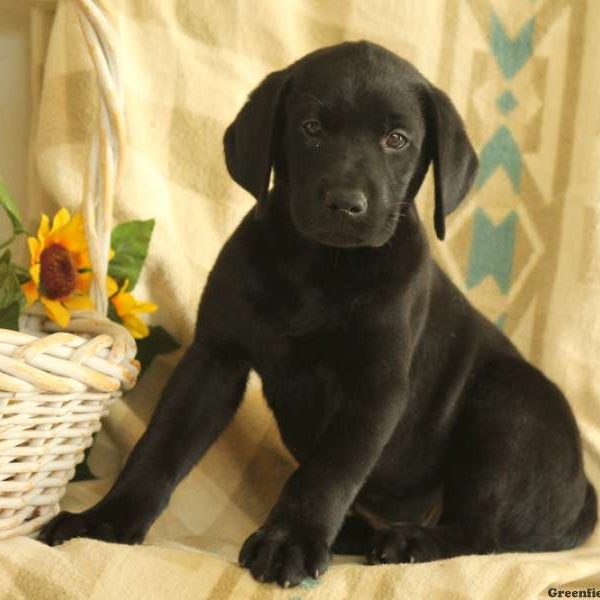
x,y
101,524
405,543
284,554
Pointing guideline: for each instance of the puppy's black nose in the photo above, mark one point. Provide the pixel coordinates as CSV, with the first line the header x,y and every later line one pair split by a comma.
x,y
350,203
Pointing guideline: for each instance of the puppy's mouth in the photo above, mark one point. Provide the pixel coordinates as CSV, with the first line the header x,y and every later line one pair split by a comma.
x,y
336,239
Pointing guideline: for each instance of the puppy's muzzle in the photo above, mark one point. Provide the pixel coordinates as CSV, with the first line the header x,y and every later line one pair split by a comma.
x,y
343,221
346,204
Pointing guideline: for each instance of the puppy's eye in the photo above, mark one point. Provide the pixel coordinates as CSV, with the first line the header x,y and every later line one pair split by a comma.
x,y
312,127
395,140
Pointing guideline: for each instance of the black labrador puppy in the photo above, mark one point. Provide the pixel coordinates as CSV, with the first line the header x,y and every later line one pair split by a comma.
x,y
403,405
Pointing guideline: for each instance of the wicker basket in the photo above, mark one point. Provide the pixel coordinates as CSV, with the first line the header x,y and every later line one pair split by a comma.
x,y
55,387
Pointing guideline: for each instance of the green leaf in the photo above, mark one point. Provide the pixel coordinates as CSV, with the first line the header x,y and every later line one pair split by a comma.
x,y
160,341
130,242
10,288
11,296
21,273
9,316
11,209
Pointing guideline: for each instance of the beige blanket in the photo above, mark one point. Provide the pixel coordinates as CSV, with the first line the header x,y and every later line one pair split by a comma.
x,y
525,248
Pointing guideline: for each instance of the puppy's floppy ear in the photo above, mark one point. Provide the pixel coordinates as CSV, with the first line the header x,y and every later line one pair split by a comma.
x,y
249,141
454,160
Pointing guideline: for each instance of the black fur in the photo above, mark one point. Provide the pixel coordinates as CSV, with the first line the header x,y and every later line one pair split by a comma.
x,y
401,402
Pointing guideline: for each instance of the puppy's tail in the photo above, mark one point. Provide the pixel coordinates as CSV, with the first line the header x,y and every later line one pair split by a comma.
x,y
587,517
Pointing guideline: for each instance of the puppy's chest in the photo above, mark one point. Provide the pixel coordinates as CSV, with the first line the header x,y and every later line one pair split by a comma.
x,y
303,396
297,355
304,372
299,312
310,332
306,338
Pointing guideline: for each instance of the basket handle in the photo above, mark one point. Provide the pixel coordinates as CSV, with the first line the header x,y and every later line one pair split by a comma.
x,y
106,149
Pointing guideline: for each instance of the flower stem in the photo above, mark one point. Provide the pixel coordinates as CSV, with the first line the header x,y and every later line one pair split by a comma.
x,y
9,242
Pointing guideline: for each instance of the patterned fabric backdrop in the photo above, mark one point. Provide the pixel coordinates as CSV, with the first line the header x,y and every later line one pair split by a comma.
x,y
525,248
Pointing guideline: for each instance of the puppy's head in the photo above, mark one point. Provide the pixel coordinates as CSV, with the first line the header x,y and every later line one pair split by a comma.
x,y
351,131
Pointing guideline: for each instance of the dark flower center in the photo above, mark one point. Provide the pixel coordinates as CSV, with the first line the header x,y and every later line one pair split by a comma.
x,y
57,272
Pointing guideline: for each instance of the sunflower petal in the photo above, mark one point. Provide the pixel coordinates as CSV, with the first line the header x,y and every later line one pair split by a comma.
x,y
82,282
30,291
43,229
136,326
81,258
61,218
34,271
123,302
56,311
112,287
78,303
147,307
72,230
35,250
72,237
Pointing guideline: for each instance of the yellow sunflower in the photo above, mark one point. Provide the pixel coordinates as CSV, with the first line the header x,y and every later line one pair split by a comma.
x,y
59,267
127,308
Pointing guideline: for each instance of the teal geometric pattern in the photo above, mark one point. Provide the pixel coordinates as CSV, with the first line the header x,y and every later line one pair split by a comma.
x,y
506,102
501,321
501,151
510,54
492,250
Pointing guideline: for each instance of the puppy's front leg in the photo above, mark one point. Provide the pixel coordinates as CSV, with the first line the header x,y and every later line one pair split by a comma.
x,y
201,397
295,540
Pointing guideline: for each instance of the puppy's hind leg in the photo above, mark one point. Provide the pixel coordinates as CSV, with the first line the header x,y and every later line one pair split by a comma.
x,y
201,397
410,543
514,478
